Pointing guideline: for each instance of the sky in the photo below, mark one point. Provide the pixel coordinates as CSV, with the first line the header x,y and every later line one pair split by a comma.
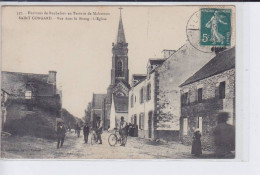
x,y
80,50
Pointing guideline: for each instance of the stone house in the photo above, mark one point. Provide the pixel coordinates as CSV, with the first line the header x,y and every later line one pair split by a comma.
x,y
206,93
31,97
176,69
158,116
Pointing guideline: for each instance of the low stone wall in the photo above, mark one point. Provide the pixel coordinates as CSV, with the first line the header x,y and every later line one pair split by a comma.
x,y
167,135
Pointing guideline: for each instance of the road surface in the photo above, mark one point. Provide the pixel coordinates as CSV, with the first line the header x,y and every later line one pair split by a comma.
x,y
74,148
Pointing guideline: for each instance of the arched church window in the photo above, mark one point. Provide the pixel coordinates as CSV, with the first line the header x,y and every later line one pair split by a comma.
x,y
119,68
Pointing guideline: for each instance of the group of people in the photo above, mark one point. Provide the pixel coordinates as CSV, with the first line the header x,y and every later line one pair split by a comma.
x,y
224,138
97,129
224,135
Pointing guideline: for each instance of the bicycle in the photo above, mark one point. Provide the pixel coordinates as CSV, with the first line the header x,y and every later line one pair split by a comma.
x,y
78,133
115,138
94,138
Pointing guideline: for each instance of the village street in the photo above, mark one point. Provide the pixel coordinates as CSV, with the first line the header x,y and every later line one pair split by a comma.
x,y
74,148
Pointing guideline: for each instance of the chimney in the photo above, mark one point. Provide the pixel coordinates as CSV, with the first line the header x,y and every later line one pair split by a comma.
x,y
168,52
52,77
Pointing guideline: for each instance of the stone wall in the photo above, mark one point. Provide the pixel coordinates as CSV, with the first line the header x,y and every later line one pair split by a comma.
x,y
210,106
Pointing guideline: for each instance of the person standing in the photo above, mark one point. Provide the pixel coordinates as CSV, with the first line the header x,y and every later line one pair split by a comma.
x,y
224,136
86,132
99,129
60,134
123,130
196,143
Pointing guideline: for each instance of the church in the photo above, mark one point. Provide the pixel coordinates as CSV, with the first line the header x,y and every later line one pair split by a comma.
x,y
115,101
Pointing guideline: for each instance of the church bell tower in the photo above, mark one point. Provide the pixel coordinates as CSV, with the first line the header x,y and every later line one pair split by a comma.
x,y
119,71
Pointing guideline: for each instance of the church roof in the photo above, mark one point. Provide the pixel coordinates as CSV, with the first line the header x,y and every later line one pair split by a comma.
x,y
97,100
124,82
121,103
121,33
223,61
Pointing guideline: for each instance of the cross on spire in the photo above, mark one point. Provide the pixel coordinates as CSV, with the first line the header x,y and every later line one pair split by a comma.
x,y
121,33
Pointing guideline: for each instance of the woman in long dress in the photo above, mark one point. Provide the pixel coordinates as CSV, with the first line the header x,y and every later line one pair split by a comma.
x,y
196,143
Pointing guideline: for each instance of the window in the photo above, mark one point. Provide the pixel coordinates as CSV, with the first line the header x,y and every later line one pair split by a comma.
x,y
222,90
135,120
199,124
184,98
200,95
141,95
185,126
28,94
119,68
132,101
141,121
149,91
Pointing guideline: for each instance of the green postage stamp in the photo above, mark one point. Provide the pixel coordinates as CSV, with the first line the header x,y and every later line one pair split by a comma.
x,y
215,27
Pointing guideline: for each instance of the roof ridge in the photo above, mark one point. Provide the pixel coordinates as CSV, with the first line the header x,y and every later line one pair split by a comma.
x,y
23,73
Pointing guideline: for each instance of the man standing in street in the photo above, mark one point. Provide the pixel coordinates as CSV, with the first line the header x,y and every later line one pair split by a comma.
x,y
60,134
99,130
86,132
123,130
224,136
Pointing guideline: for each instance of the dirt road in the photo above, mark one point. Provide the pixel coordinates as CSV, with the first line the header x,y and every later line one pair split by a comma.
x,y
74,148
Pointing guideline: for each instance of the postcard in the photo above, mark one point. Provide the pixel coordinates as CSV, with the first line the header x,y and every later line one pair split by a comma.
x,y
118,82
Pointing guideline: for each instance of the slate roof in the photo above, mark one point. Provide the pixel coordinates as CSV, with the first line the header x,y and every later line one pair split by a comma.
x,y
158,61
138,76
15,83
121,103
97,100
223,61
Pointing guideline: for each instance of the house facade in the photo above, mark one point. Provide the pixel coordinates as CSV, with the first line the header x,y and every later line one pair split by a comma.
x,y
206,93
28,99
176,69
141,105
158,116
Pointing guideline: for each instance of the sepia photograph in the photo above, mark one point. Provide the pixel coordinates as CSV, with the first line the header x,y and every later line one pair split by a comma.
x,y
118,82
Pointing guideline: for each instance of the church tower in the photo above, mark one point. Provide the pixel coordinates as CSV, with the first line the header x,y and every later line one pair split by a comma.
x,y
116,101
119,71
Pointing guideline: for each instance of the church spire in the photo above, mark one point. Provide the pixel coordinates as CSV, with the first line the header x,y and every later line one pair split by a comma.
x,y
121,33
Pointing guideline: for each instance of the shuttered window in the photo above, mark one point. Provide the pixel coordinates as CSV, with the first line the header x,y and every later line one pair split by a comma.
x,y
222,90
141,121
199,124
200,95
141,95
185,126
184,99
148,94
132,101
